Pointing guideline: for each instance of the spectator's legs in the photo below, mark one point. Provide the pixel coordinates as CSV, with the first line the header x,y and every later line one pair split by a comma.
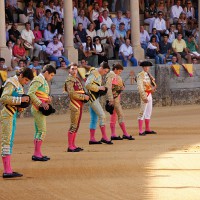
x,y
188,57
113,5
134,61
124,62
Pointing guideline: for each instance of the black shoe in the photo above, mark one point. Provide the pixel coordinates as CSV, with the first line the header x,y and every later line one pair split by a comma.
x,y
106,142
79,148
46,157
142,134
73,150
35,158
95,142
128,137
116,138
150,132
12,175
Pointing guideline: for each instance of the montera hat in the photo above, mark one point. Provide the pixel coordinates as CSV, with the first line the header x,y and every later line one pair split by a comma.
x,y
146,64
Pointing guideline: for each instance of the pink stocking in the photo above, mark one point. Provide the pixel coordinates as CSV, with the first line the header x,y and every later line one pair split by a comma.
x,y
70,141
6,164
92,134
123,127
103,132
140,122
38,144
147,127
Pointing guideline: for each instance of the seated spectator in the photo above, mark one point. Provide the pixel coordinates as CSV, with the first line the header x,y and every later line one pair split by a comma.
x,y
179,47
127,20
150,14
3,67
114,39
122,33
81,34
51,6
14,60
94,16
173,60
30,11
160,24
14,33
82,19
118,19
105,6
175,12
29,38
91,31
19,51
195,32
21,64
194,61
56,20
90,52
40,11
184,23
164,49
60,9
126,53
35,66
122,3
49,33
106,20
60,31
179,29
104,35
99,50
192,47
190,14
154,33
63,65
153,50
144,38
171,33
55,49
45,20
75,11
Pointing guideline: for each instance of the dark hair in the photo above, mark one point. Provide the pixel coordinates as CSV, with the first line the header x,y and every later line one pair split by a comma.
x,y
166,35
117,67
146,64
27,23
27,73
104,65
48,10
153,37
49,68
2,59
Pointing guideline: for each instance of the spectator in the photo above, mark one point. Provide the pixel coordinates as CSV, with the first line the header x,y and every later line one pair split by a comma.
x,y
56,20
175,12
126,53
122,33
118,19
153,49
13,33
90,52
6,30
49,33
179,47
45,20
94,16
160,24
60,9
144,38
183,21
150,14
99,50
195,32
122,3
190,14
14,59
173,60
105,6
91,31
30,11
194,61
82,19
106,20
29,38
171,33
55,49
40,11
51,6
179,29
154,33
164,49
75,11
63,65
36,67
192,47
81,34
127,20
61,32
104,35
21,65
3,67
18,50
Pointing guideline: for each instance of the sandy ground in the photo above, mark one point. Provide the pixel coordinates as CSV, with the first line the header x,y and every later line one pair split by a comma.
x,y
165,166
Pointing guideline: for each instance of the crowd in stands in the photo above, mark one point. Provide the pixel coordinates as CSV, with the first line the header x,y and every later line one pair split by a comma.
x,y
169,30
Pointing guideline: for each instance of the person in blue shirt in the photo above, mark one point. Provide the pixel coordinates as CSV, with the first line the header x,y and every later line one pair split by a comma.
x,y
35,66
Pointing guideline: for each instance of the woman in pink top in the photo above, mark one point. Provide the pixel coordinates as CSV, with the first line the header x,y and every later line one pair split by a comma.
x,y
40,11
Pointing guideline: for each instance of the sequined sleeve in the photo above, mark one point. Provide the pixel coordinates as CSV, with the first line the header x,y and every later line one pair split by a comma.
x,y
7,97
140,85
90,83
108,84
31,92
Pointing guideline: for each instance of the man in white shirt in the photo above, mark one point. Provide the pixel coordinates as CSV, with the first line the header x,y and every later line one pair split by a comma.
x,y
29,38
126,53
160,24
106,20
144,38
104,35
127,20
82,19
175,12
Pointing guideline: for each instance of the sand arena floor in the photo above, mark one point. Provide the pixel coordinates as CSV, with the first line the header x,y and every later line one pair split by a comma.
x,y
165,166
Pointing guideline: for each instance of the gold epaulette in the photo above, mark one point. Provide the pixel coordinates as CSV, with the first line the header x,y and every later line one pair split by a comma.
x,y
70,78
37,79
95,73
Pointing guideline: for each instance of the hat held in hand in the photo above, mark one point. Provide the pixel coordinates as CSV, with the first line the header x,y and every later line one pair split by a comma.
x,y
109,108
48,112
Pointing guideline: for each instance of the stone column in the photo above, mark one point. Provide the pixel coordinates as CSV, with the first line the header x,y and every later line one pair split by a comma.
x,y
199,22
70,51
135,30
4,52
